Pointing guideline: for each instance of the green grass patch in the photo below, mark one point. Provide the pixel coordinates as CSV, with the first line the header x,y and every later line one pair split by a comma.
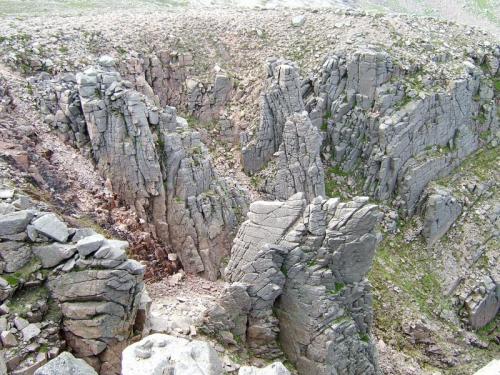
x,y
338,287
25,298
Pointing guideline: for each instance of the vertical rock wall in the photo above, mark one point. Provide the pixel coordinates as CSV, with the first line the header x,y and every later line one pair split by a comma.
x,y
154,161
304,269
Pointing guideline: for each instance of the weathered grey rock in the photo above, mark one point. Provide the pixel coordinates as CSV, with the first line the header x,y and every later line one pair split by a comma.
x,y
99,308
275,368
160,354
314,258
8,339
164,77
299,165
483,303
298,21
52,255
65,363
30,332
88,245
81,233
50,226
230,313
14,255
14,222
20,323
282,98
163,170
397,151
440,212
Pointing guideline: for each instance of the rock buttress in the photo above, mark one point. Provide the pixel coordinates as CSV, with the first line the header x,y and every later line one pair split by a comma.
x,y
304,269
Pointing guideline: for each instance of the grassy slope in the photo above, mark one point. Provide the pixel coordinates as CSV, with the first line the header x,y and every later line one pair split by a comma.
x,y
407,285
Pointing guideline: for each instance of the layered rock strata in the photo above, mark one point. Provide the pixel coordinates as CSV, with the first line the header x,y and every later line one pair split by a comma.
x,y
394,124
154,162
62,286
397,124
304,270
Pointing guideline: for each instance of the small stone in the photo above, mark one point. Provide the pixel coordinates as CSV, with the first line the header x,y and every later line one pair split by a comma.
x,y
89,244
50,226
6,193
143,351
20,323
106,61
54,254
30,332
4,309
8,339
298,21
82,233
14,222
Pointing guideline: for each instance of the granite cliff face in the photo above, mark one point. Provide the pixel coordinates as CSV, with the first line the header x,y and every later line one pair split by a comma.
x,y
364,158
302,268
154,162
394,125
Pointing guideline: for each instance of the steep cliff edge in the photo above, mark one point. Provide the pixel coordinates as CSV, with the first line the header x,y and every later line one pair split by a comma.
x,y
153,160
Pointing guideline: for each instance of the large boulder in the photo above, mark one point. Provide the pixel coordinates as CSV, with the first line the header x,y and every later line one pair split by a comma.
x,y
161,354
441,211
14,222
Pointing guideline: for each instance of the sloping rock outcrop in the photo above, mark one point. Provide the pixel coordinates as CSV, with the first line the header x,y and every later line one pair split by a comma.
x,y
304,269
63,287
154,162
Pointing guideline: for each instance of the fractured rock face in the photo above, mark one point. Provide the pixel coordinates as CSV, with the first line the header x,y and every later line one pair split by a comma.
x,y
404,136
305,269
282,98
164,77
299,165
155,163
